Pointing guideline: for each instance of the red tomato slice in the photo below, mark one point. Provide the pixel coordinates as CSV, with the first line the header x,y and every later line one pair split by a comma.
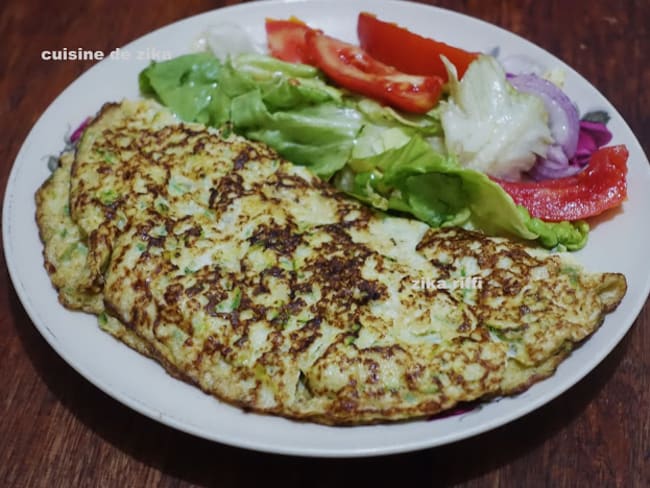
x,y
408,52
286,39
600,186
354,69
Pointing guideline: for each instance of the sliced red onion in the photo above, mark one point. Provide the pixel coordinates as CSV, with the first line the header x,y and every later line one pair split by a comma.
x,y
547,169
458,410
598,132
564,121
593,135
74,137
555,153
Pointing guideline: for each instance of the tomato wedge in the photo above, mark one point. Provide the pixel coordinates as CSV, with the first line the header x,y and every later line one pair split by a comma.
x,y
406,51
354,69
286,39
600,186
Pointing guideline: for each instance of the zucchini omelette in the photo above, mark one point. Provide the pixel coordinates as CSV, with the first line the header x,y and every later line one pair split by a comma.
x,y
259,283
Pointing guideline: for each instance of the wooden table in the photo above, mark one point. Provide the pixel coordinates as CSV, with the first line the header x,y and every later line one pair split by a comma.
x,y
56,429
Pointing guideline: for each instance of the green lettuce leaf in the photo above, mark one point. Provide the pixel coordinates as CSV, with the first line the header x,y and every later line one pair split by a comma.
x,y
186,85
319,136
288,106
435,189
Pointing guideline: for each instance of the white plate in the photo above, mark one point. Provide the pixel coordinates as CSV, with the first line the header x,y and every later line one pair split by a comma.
x,y
616,244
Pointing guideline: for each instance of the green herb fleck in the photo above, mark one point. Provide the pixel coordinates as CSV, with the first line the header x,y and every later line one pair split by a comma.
x,y
107,156
108,197
287,264
176,187
72,249
228,306
162,207
498,333
236,299
573,274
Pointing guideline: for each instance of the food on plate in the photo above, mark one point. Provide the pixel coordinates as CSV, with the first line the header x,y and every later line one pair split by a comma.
x,y
599,186
490,126
352,68
443,134
407,51
66,251
263,285
371,152
286,39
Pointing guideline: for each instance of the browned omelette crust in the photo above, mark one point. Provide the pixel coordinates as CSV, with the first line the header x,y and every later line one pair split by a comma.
x,y
262,285
65,252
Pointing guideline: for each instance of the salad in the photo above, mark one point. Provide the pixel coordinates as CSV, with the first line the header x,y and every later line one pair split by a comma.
x,y
408,124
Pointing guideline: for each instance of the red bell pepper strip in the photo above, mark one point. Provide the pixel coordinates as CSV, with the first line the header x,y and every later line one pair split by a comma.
x,y
600,186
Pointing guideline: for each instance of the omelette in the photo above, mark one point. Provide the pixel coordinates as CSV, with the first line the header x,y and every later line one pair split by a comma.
x,y
254,280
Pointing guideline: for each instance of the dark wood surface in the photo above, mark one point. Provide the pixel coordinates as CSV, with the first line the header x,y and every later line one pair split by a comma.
x,y
56,429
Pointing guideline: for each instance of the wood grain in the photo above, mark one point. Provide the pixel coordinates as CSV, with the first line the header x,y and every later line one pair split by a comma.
x,y
58,430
